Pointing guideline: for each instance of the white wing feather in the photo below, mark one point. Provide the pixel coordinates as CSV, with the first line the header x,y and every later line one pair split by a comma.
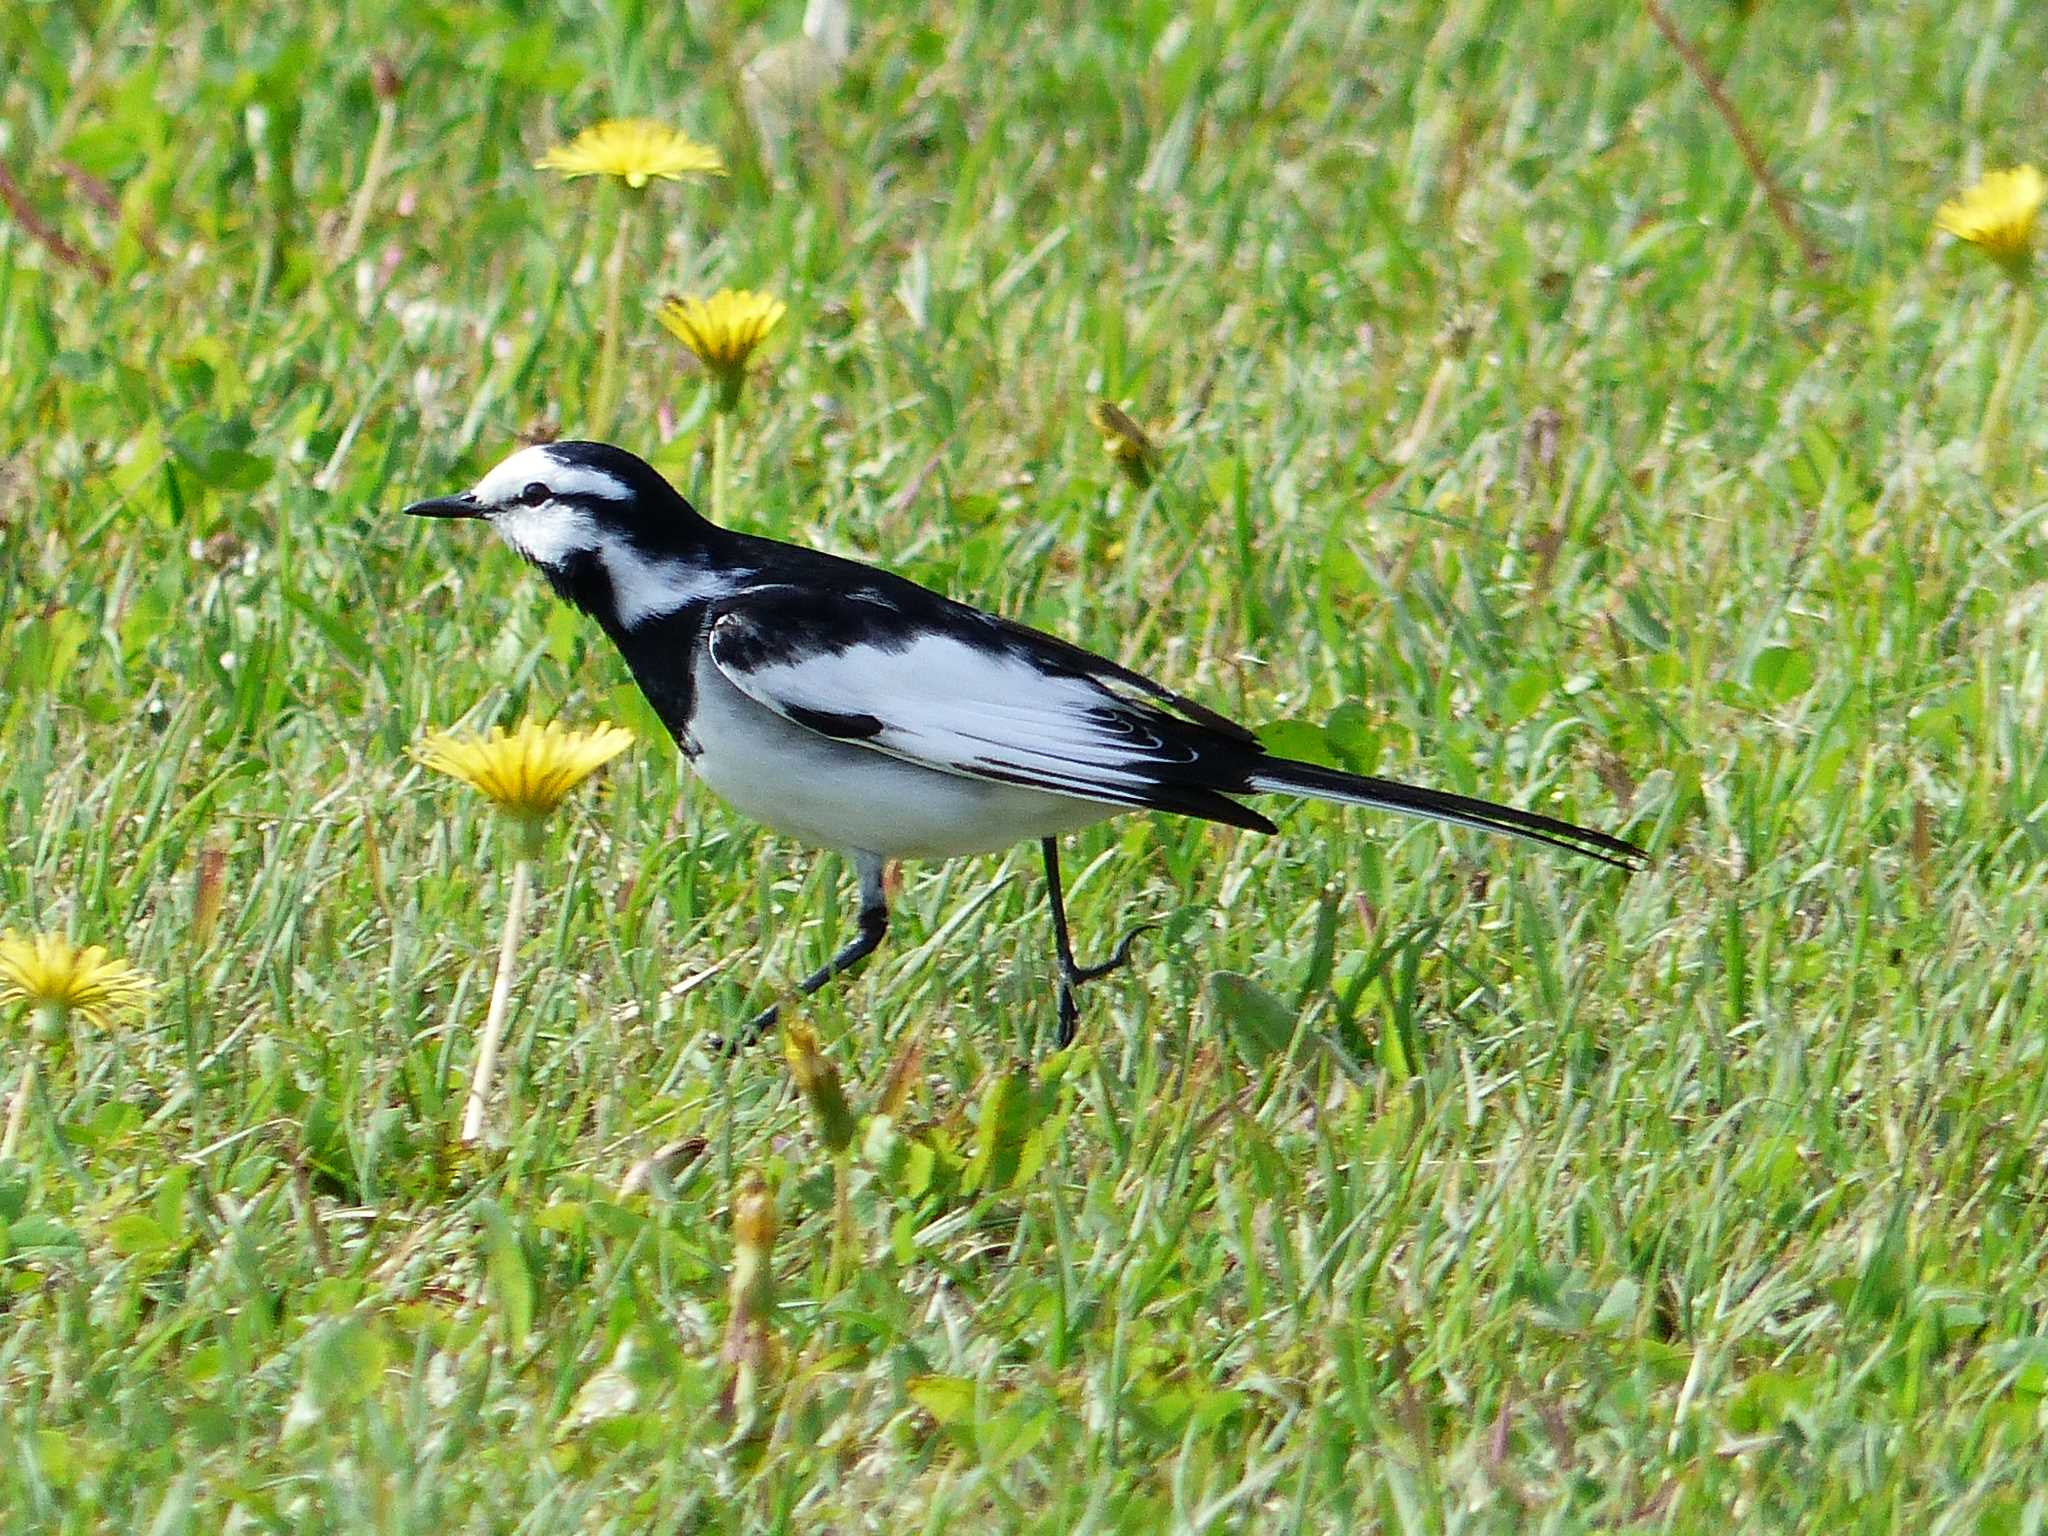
x,y
961,709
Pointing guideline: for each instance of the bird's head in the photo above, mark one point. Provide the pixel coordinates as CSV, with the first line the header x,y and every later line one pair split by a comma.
x,y
555,500
600,523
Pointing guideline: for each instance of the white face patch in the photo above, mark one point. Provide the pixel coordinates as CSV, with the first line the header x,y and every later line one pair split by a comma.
x,y
643,587
547,534
553,532
538,465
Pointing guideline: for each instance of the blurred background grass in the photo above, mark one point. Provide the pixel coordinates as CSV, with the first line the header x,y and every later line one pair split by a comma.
x,y
1509,446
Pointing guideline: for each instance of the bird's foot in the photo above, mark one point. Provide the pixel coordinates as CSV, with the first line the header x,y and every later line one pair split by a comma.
x,y
1074,974
1118,958
746,1034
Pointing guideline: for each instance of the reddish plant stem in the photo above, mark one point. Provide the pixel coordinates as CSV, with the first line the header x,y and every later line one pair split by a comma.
x,y
1774,195
26,216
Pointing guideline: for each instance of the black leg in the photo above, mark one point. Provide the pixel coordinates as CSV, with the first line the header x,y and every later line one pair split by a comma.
x,y
874,922
1072,972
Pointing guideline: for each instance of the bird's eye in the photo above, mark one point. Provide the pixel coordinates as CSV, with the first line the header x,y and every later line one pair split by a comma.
x,y
533,495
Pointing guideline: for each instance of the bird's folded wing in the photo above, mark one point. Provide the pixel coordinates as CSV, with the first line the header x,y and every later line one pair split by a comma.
x,y
971,697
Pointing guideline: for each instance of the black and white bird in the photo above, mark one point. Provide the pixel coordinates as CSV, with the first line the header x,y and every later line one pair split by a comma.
x,y
853,709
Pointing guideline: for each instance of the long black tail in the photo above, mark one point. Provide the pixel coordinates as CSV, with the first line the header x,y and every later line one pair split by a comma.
x,y
1283,776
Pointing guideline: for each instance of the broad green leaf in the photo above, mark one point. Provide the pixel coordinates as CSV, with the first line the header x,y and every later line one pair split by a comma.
x,y
344,1358
135,1233
999,1137
1780,673
1257,1023
511,1277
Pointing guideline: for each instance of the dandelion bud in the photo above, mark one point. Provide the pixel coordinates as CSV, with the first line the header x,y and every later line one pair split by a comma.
x,y
1125,441
753,1232
749,1346
753,1276
209,893
818,1081
901,1079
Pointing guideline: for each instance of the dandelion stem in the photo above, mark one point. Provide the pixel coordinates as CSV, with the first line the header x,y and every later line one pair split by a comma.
x,y
17,1108
607,402
721,459
373,178
839,1267
2018,333
501,999
1406,451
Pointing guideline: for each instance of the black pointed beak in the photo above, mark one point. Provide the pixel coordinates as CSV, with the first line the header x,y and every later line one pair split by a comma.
x,y
446,506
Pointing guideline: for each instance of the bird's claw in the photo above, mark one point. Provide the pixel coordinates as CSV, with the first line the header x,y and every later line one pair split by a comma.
x,y
746,1035
1118,958
1073,974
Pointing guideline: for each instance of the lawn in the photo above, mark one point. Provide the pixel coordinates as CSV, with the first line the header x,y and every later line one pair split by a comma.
x,y
1508,441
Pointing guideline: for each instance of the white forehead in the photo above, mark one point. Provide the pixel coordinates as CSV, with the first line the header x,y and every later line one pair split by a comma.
x,y
538,463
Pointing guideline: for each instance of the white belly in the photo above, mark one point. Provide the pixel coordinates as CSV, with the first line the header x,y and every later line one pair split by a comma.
x,y
832,794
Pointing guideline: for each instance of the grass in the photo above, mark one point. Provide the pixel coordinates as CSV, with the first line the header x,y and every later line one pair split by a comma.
x,y
1411,1181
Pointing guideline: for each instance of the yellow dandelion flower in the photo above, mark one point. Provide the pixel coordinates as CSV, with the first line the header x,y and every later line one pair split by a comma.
x,y
528,773
48,971
724,331
1997,216
637,150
